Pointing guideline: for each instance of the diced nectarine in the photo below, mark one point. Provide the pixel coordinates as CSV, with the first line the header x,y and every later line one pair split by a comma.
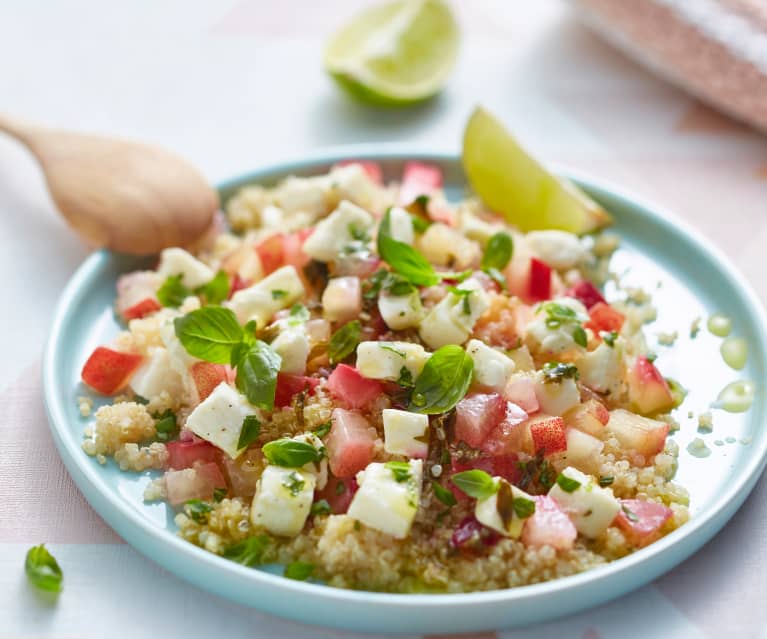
x,y
548,434
107,371
649,392
634,432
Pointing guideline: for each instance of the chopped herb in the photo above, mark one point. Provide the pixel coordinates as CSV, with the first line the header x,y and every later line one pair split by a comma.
x,y
443,494
498,277
498,252
219,494
609,337
323,429
140,400
555,372
476,483
340,488
357,525
651,357
463,294
290,453
321,507
403,258
166,426
251,428
391,349
294,483
420,224
172,292
344,341
523,507
606,481
358,234
299,313
567,484
580,337
278,294
400,470
405,377
546,476
43,571
215,291
198,510
443,382
249,552
299,570
630,515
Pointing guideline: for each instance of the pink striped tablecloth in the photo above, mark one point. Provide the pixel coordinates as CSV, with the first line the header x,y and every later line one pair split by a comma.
x,y
236,84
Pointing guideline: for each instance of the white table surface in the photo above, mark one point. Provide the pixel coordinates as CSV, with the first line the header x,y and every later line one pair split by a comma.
x,y
236,84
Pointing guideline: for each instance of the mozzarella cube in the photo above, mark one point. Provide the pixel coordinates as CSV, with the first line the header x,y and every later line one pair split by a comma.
x,y
302,195
401,225
492,368
156,375
178,357
591,508
385,360
337,231
559,338
292,346
556,397
400,311
176,261
351,182
218,419
402,430
259,302
559,249
601,368
387,500
497,511
283,500
453,318
342,299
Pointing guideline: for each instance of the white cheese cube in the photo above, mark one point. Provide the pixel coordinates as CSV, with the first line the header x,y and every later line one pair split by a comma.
x,y
497,511
591,508
601,368
385,360
176,261
400,311
302,195
401,225
452,319
402,431
283,500
556,397
218,419
259,302
178,358
156,375
556,339
336,231
387,500
559,249
342,299
351,182
467,307
292,346
492,368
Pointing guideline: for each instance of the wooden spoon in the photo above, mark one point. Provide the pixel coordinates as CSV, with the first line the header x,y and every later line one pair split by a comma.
x,y
130,197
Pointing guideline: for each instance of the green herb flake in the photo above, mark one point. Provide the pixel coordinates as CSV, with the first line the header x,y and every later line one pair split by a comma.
x,y
609,337
391,349
498,277
555,372
278,294
400,470
249,552
219,494
443,494
580,337
298,315
294,483
166,426
605,481
290,453
215,291
523,507
476,483
344,341
405,378
630,515
403,258
198,510
443,382
420,224
43,571
210,333
498,252
299,570
172,291
323,429
651,357
340,488
251,428
321,507
567,484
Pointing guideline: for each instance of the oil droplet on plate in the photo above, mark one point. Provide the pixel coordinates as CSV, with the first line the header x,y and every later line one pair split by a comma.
x,y
736,397
734,352
719,325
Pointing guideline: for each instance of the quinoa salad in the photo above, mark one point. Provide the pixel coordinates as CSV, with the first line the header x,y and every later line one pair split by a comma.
x,y
382,389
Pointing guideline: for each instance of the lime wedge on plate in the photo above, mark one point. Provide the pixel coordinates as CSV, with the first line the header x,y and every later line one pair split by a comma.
x,y
513,183
397,53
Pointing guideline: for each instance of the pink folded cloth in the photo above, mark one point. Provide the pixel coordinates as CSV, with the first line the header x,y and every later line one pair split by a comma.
x,y
715,49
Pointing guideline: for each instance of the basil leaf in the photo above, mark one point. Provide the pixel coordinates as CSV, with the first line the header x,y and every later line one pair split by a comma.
x,y
580,337
323,429
443,494
257,371
198,510
344,341
251,428
298,314
299,570
215,291
476,483
400,470
290,453
321,507
43,570
249,552
498,277
219,494
498,252
609,337
443,382
403,258
567,484
209,333
172,292
523,507
555,372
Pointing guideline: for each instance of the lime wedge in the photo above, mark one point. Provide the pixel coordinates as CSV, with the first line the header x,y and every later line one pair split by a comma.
x,y
397,53
511,182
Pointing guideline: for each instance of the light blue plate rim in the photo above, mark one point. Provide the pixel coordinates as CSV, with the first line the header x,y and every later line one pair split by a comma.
x,y
385,612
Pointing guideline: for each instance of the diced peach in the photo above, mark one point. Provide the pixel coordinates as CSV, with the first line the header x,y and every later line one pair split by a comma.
x,y
207,376
589,417
350,444
288,386
372,169
338,493
634,432
133,292
243,473
603,317
549,526
511,435
107,371
477,415
193,483
548,434
520,390
586,293
648,391
540,280
187,453
271,252
583,450
141,309
418,179
347,384
641,521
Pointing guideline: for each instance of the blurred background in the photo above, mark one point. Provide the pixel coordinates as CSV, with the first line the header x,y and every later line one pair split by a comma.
x,y
237,84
